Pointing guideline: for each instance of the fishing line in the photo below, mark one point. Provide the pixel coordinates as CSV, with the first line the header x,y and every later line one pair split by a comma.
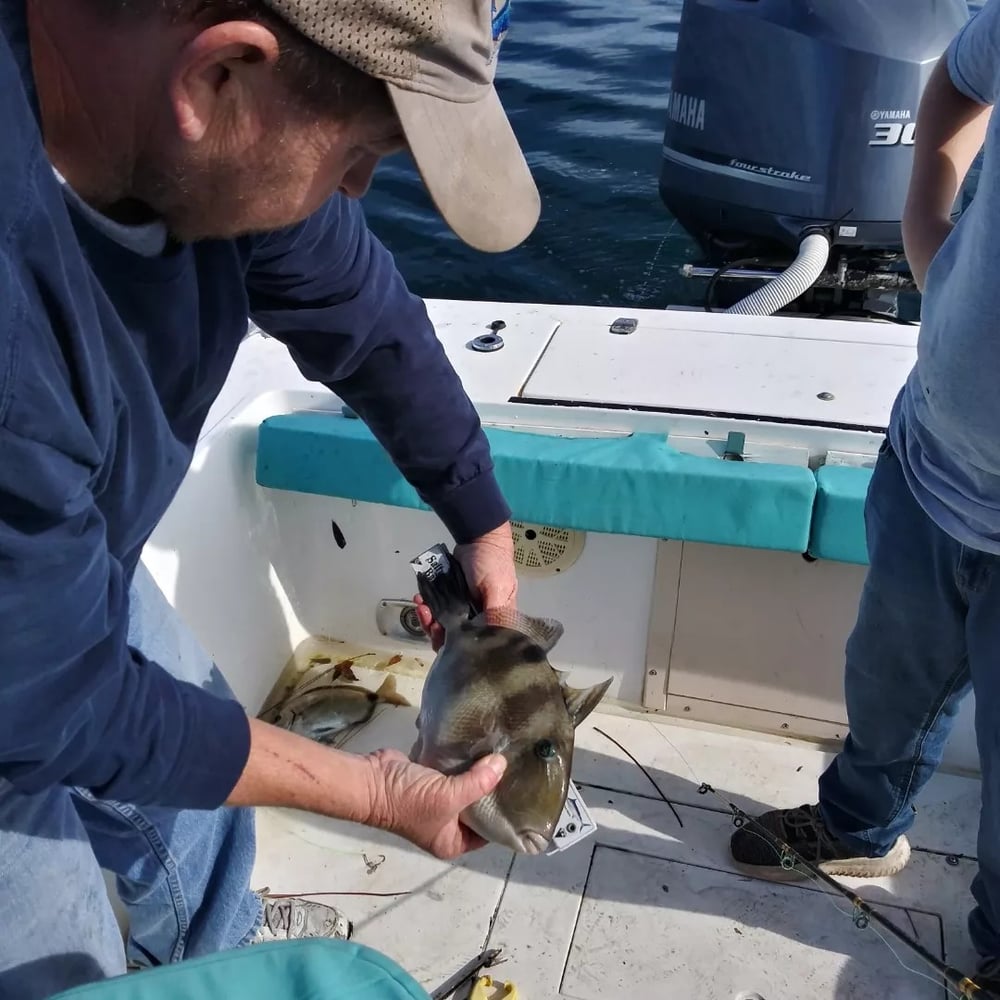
x,y
917,972
659,791
651,263
304,895
863,915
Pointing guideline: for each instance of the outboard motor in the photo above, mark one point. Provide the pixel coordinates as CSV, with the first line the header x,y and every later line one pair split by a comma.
x,y
790,138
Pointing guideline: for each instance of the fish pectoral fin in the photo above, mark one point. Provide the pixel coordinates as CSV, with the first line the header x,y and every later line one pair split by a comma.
x,y
545,632
580,702
490,743
456,757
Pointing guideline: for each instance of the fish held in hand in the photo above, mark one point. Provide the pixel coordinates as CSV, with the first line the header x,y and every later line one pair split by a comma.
x,y
491,689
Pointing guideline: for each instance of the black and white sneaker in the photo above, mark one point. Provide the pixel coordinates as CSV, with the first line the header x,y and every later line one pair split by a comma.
x,y
803,830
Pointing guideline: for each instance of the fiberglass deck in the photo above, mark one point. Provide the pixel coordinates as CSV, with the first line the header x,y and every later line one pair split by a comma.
x,y
650,906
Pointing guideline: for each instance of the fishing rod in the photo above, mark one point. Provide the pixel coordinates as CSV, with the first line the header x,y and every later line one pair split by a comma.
x,y
863,914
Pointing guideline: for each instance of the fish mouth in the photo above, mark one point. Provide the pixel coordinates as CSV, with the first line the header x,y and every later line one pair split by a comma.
x,y
533,842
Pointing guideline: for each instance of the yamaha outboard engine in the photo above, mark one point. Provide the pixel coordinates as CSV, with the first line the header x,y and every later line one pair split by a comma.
x,y
790,136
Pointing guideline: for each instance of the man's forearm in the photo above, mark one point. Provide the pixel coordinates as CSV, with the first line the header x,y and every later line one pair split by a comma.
x,y
333,294
950,132
285,769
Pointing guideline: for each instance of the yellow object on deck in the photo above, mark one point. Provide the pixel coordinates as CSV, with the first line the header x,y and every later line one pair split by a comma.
x,y
485,989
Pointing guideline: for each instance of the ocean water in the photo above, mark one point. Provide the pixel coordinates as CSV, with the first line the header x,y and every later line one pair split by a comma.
x,y
585,84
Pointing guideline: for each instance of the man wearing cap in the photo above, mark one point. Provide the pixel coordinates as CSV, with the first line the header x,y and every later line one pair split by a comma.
x,y
169,167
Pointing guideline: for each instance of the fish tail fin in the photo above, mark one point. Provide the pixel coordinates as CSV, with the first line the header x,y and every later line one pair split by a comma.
x,y
387,692
443,586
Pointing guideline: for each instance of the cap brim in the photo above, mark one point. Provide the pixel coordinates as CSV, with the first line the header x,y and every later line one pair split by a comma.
x,y
473,167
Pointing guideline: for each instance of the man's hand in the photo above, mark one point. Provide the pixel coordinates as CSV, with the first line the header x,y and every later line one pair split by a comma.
x,y
423,805
488,564
383,789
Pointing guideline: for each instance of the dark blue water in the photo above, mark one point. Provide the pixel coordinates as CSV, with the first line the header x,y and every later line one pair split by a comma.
x,y
585,84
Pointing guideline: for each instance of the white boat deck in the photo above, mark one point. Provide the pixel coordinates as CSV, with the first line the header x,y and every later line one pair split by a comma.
x,y
650,905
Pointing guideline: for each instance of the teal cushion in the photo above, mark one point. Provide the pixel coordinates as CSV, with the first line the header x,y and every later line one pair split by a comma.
x,y
312,969
838,530
635,485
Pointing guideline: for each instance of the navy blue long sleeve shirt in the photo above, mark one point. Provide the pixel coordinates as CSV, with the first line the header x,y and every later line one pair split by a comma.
x,y
109,362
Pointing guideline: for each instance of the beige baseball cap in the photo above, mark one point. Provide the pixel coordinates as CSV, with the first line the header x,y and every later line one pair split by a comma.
x,y
438,59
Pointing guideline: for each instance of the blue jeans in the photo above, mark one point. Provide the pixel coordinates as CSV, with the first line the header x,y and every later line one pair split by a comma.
x,y
928,632
184,876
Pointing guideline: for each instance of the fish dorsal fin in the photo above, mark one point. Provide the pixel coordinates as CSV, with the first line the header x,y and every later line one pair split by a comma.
x,y
580,702
546,632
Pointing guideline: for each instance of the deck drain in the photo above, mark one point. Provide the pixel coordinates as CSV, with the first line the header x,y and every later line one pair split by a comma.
x,y
410,621
540,550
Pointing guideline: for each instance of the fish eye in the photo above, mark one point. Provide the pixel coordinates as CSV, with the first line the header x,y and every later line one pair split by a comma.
x,y
545,749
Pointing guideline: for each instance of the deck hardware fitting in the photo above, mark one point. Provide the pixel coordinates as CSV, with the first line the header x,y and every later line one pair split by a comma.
x,y
735,443
624,325
487,343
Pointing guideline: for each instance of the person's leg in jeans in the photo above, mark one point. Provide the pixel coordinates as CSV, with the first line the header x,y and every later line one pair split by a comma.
x,y
59,930
183,875
907,671
984,659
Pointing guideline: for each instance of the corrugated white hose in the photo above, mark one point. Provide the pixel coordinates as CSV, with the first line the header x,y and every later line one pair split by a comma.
x,y
798,277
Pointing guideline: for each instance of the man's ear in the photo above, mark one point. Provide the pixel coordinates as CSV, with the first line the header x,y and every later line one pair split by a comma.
x,y
215,67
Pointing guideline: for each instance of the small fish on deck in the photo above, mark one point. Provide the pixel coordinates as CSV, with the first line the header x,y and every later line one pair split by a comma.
x,y
491,689
321,710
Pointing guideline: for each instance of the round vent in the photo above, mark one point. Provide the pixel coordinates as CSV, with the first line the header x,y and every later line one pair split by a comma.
x,y
542,551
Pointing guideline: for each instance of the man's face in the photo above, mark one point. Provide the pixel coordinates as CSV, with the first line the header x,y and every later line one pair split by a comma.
x,y
262,162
